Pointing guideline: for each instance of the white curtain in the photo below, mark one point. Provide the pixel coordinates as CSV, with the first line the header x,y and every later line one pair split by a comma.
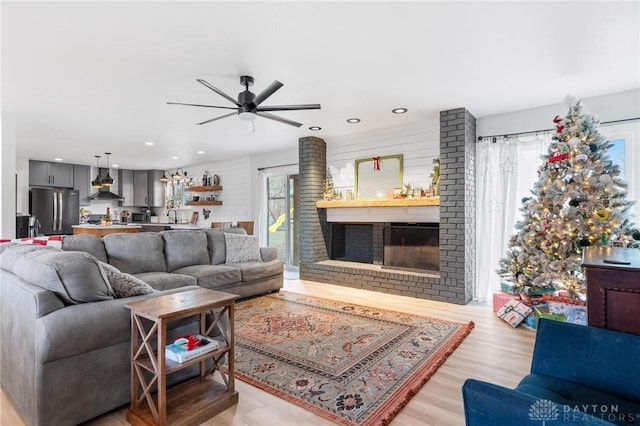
x,y
506,171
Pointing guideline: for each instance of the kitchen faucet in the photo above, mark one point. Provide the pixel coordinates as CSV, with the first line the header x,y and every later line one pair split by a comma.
x,y
175,215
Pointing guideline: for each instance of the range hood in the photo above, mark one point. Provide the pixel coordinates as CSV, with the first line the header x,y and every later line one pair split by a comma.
x,y
104,193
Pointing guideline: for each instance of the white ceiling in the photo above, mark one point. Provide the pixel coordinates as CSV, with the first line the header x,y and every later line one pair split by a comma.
x,y
80,79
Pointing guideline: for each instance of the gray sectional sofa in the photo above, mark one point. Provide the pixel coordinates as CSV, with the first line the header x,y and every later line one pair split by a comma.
x,y
65,353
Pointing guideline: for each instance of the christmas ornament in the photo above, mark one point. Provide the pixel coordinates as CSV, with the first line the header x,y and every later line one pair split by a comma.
x,y
636,235
574,203
573,142
605,179
602,215
593,147
581,157
561,153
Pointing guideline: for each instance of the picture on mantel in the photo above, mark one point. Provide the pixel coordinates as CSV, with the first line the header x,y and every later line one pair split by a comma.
x,y
377,177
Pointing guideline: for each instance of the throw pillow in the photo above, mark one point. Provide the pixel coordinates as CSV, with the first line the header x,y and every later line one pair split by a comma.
x,y
123,284
242,248
74,276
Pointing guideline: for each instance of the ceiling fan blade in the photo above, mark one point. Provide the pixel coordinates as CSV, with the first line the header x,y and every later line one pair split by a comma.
x,y
288,107
218,118
276,118
198,105
218,91
270,90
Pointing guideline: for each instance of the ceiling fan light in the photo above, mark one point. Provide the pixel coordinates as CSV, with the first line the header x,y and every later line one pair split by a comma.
x,y
246,116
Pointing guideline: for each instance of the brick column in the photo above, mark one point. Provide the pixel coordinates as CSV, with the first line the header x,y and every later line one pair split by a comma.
x,y
457,204
314,230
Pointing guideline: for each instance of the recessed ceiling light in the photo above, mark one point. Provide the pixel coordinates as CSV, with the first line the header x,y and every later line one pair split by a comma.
x,y
149,143
315,128
175,158
115,165
399,110
58,159
353,120
200,152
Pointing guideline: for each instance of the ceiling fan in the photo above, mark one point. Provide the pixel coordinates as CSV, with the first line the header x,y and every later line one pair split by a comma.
x,y
247,107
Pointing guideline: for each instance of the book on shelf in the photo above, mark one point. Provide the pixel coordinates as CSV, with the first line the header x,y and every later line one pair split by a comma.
x,y
178,351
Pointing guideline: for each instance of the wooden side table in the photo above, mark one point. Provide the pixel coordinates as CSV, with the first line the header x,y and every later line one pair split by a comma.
x,y
198,399
613,288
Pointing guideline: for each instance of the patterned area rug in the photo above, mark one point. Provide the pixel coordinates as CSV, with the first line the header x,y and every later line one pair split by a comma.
x,y
354,365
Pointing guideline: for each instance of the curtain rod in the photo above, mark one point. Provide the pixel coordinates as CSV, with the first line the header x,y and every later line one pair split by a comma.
x,y
604,123
275,167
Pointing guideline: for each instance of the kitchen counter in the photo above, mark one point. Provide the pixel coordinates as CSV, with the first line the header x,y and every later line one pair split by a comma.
x,y
102,230
157,227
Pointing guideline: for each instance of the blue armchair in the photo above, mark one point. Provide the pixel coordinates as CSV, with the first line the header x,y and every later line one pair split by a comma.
x,y
579,376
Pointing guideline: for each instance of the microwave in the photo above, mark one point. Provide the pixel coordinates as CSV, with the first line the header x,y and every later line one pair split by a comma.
x,y
139,217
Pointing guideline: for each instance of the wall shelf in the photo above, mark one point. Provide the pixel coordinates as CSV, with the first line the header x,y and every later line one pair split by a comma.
x,y
205,188
204,203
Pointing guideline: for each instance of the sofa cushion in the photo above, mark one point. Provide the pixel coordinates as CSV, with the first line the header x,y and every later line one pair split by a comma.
x,y
212,276
6,245
216,243
85,242
11,254
185,248
74,276
576,396
123,284
242,248
165,280
258,270
136,253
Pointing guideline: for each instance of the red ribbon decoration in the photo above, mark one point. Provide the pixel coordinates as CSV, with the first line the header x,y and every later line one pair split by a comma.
x,y
376,163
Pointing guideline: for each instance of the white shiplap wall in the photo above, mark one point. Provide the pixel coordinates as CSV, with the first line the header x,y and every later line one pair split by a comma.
x,y
419,144
235,179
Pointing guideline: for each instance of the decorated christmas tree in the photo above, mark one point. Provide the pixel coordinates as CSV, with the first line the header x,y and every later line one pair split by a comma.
x,y
579,200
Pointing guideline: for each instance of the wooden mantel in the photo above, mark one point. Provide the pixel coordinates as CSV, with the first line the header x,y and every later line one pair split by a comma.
x,y
382,202
383,210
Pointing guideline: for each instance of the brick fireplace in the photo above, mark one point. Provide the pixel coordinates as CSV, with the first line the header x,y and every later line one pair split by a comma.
x,y
400,246
456,276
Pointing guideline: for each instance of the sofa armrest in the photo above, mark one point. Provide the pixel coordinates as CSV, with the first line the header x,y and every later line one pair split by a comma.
x,y
268,253
486,404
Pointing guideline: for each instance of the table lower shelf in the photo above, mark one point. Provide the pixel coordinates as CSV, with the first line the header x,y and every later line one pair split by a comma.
x,y
189,403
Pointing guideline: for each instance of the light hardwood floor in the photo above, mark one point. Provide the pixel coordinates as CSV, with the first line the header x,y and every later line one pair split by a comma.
x,y
493,351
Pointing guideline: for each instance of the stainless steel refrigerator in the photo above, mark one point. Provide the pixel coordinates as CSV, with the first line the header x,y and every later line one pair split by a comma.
x,y
57,209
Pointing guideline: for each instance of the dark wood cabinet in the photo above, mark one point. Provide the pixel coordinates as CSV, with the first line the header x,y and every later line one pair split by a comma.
x,y
613,288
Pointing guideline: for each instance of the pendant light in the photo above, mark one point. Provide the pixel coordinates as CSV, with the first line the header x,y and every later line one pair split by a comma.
x,y
108,180
97,182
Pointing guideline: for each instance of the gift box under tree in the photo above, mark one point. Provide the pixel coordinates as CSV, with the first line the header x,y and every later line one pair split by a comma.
x,y
514,312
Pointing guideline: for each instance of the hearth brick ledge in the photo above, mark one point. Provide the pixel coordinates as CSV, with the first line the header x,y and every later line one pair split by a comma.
x,y
457,222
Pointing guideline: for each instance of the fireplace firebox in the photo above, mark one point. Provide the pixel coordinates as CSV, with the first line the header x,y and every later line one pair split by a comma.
x,y
412,246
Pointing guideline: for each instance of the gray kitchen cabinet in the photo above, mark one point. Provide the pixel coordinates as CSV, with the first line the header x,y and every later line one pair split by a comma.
x,y
141,188
44,173
125,187
82,183
156,189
